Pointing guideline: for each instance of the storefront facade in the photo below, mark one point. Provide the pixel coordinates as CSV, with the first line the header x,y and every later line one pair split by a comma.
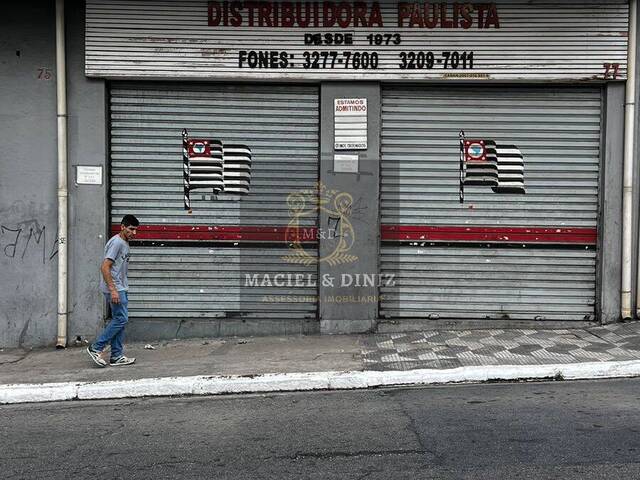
x,y
407,164
532,77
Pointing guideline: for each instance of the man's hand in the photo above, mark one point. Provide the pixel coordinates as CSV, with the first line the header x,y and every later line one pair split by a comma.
x,y
115,296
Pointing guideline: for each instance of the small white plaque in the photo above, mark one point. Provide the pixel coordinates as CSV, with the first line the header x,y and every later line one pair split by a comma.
x,y
345,163
86,175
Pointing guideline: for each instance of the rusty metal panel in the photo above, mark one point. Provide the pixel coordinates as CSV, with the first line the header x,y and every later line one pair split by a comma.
x,y
451,41
525,255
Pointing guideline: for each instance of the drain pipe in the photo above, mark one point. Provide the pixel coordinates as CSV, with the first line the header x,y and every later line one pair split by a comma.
x,y
63,194
630,117
627,192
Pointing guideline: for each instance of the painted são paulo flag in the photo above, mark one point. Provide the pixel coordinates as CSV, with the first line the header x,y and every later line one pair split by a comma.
x,y
210,164
485,163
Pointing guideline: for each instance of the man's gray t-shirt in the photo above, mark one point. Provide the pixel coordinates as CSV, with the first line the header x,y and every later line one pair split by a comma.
x,y
117,250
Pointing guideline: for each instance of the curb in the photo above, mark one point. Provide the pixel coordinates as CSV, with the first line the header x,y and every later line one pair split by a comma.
x,y
289,382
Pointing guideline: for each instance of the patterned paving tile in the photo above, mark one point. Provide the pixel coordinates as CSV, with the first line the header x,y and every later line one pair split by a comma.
x,y
468,358
622,354
546,357
525,349
454,348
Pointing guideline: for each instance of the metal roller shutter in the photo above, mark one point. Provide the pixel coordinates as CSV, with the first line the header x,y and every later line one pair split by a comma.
x,y
195,265
495,256
201,282
536,40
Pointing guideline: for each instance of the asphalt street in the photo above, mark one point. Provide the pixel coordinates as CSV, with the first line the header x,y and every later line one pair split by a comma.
x,y
568,430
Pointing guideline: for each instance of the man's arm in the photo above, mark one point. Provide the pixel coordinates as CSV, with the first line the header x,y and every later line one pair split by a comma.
x,y
105,268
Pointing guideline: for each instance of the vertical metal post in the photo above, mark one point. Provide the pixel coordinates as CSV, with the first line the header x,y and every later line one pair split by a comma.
x,y
461,166
185,170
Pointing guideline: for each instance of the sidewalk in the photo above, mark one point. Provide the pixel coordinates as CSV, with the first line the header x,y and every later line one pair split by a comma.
x,y
261,364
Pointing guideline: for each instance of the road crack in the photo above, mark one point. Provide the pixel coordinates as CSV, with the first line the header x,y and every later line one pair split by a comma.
x,y
359,453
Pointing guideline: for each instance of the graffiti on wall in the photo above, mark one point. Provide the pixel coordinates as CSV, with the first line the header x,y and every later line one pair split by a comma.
x,y
27,238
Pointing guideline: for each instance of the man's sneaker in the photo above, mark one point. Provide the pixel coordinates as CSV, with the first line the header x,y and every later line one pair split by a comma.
x,y
122,360
96,357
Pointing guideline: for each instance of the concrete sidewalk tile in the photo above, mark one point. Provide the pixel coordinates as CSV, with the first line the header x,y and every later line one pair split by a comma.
x,y
427,355
562,349
623,354
548,357
630,346
487,350
475,359
471,344
525,349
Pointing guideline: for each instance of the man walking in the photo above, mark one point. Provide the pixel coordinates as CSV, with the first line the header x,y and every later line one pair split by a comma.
x,y
115,285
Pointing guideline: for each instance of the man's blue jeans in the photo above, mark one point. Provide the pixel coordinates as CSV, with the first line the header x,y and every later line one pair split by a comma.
x,y
113,333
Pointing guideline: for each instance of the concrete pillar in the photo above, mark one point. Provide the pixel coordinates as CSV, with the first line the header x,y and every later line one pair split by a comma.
x,y
89,223
609,228
349,231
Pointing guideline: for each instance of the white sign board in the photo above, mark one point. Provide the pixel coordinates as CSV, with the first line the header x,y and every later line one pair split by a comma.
x,y
343,163
447,40
350,124
86,175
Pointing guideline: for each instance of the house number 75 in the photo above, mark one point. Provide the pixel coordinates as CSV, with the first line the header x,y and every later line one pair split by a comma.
x,y
44,74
